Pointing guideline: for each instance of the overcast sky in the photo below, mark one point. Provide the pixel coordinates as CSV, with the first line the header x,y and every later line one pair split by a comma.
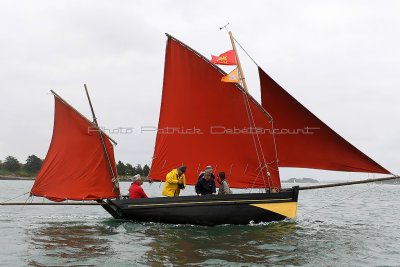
x,y
340,59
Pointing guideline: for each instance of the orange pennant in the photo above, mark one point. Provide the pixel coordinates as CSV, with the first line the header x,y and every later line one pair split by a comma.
x,y
232,77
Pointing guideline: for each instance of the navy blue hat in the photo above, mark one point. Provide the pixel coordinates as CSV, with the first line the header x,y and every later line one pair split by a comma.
x,y
182,169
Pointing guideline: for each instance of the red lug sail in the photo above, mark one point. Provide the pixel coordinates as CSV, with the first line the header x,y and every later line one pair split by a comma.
x,y
75,166
305,141
204,121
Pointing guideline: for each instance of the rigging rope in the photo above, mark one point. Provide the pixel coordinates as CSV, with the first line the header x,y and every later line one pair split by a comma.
x,y
273,129
245,51
252,118
250,115
259,143
276,150
252,134
254,141
15,197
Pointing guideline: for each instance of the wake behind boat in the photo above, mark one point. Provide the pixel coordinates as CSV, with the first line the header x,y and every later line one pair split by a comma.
x,y
80,163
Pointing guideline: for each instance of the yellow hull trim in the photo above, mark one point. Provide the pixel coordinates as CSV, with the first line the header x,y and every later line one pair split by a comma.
x,y
205,202
288,209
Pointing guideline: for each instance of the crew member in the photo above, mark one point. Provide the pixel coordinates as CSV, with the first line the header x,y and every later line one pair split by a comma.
x,y
223,184
174,182
205,185
136,191
208,169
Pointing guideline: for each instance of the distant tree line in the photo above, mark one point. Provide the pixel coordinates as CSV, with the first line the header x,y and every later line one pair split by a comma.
x,y
12,165
34,163
129,170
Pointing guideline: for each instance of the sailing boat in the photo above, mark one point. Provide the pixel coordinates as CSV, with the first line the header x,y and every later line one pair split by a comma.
x,y
204,121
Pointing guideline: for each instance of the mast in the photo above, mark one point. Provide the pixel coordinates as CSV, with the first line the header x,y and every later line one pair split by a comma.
x,y
113,178
257,144
238,63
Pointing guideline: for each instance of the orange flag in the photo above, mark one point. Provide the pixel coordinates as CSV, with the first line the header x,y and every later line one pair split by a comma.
x,y
227,58
232,77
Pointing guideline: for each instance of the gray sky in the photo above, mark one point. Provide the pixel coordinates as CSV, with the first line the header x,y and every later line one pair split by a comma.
x,y
340,59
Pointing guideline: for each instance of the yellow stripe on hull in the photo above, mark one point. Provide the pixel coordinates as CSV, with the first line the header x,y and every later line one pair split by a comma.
x,y
204,202
288,209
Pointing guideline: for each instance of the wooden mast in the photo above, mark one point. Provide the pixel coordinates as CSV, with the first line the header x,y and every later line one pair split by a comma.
x,y
238,63
113,177
273,190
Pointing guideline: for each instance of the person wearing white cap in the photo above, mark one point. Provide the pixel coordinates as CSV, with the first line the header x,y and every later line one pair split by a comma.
x,y
208,169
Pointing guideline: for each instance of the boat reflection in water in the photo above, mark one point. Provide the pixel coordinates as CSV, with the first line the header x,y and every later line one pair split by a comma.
x,y
69,242
122,242
222,244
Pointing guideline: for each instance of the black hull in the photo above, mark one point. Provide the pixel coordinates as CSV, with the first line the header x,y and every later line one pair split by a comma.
x,y
208,210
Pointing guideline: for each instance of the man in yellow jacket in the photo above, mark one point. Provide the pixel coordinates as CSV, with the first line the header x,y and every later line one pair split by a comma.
x,y
175,181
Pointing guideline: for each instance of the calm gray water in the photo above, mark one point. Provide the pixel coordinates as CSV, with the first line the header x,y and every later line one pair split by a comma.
x,y
328,231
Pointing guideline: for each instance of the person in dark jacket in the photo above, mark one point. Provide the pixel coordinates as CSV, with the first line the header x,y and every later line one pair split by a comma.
x,y
205,185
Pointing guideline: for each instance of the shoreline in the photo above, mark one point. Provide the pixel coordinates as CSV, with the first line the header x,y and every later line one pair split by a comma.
x,y
6,177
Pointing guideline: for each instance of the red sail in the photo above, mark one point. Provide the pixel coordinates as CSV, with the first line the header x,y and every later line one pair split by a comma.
x,y
75,166
305,141
203,121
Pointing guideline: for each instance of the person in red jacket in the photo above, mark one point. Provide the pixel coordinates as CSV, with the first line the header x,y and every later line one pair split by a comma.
x,y
136,191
